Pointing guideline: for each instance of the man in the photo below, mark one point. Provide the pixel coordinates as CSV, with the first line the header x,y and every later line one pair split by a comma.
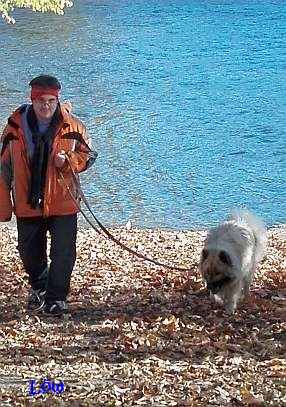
x,y
41,145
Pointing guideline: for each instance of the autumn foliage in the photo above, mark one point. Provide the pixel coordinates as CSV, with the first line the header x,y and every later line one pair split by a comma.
x,y
55,6
142,335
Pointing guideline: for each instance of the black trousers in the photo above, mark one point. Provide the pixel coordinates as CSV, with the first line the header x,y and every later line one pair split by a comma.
x,y
32,246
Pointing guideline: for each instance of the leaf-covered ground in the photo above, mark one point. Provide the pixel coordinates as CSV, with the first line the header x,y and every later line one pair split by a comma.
x,y
143,335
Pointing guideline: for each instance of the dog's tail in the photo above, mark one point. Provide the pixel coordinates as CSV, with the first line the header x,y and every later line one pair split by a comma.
x,y
257,227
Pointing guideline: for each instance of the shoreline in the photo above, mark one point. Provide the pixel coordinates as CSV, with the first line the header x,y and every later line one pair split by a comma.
x,y
83,225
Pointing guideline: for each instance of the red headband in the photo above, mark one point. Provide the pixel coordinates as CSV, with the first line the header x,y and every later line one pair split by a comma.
x,y
37,91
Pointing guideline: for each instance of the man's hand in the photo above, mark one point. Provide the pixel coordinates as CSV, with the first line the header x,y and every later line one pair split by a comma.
x,y
60,159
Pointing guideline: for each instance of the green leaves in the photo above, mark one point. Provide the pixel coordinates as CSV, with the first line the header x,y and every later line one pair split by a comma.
x,y
56,6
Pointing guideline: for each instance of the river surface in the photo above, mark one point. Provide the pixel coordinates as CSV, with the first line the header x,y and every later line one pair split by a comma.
x,y
185,102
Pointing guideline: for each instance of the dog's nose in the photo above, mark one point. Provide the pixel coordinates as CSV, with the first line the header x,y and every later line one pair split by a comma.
x,y
213,287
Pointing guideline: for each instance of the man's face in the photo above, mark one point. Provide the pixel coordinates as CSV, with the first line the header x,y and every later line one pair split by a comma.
x,y
45,107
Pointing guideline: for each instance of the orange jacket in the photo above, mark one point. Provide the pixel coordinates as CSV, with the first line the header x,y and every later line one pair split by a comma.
x,y
71,137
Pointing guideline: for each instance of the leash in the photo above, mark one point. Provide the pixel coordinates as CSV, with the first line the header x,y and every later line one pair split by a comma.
x,y
101,226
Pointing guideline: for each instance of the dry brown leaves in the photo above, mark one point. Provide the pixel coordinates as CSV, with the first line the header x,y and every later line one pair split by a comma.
x,y
139,334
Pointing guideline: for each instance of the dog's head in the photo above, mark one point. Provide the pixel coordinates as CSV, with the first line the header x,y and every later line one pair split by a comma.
x,y
216,269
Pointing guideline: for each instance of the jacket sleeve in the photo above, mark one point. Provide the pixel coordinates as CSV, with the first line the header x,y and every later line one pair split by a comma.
x,y
81,157
5,178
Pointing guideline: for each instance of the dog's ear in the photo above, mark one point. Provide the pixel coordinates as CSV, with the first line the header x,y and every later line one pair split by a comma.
x,y
225,258
204,255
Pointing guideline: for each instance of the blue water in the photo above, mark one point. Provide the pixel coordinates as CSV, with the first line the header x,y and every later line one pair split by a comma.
x,y
185,102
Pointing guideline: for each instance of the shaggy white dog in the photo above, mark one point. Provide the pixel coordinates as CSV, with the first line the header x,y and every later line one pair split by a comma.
x,y
230,255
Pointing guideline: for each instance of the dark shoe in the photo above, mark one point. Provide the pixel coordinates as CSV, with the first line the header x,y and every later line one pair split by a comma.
x,y
55,308
36,300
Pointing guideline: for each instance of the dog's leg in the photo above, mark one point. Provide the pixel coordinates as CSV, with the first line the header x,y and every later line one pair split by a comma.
x,y
246,287
247,282
232,298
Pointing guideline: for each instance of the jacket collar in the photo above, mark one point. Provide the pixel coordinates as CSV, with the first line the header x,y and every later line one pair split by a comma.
x,y
15,119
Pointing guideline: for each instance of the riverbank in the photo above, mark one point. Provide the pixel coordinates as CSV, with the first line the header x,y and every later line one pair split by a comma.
x,y
83,224
140,334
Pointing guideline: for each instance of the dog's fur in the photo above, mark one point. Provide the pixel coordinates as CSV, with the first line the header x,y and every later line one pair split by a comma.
x,y
230,255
